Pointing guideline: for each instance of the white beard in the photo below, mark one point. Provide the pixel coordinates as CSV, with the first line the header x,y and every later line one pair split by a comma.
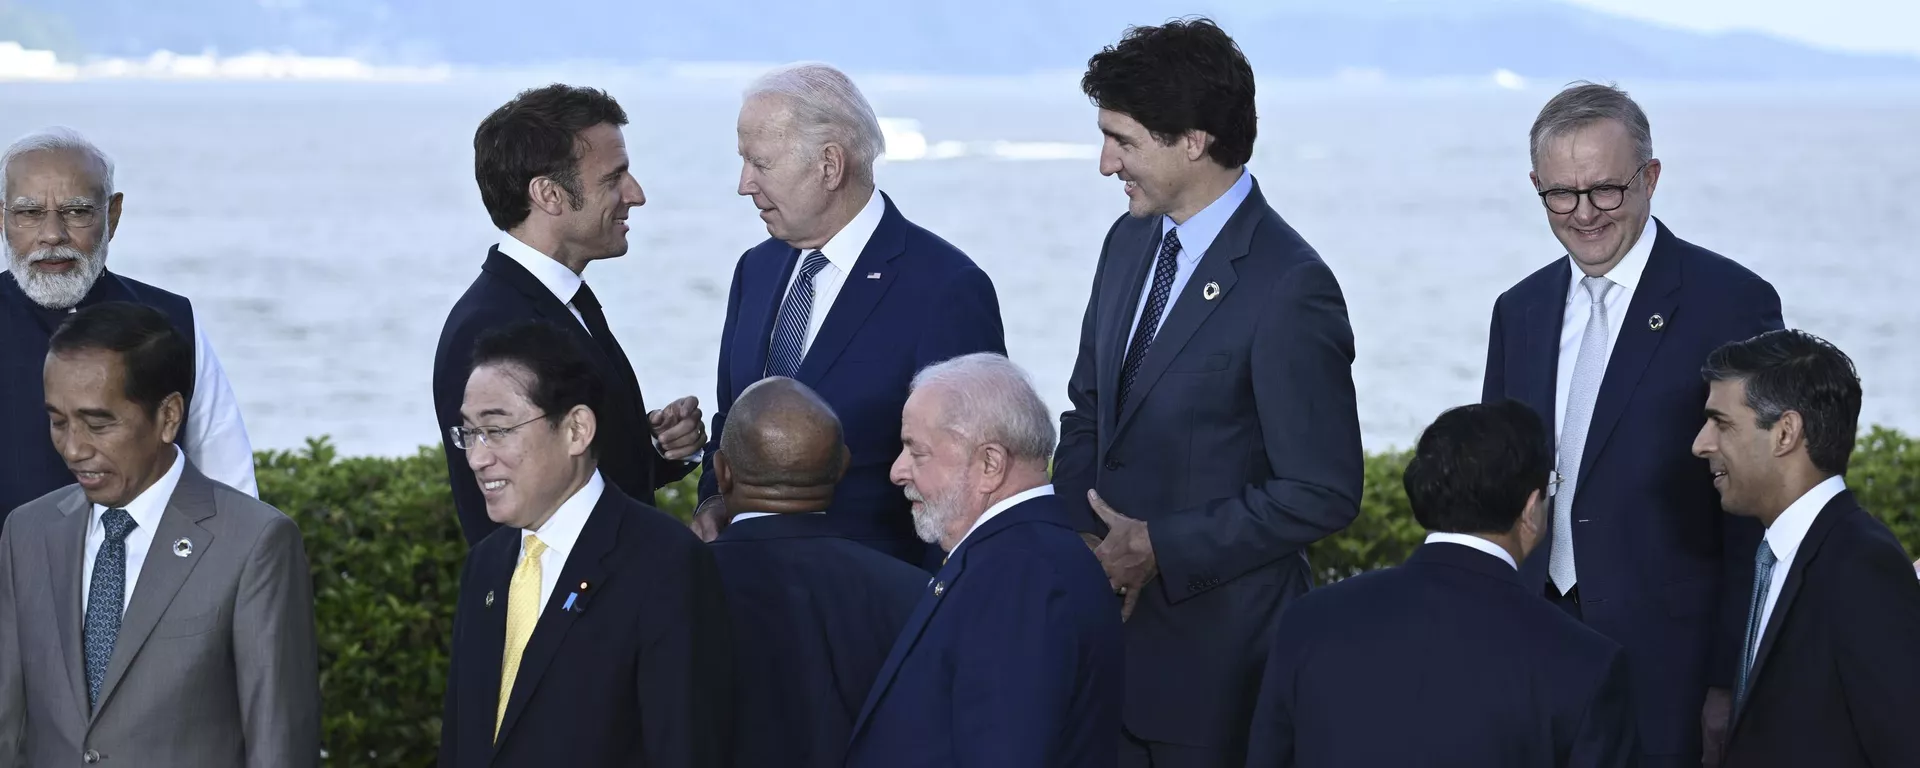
x,y
931,520
56,290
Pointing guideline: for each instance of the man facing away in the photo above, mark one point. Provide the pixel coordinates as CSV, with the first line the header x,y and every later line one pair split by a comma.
x,y
1461,663
149,615
814,613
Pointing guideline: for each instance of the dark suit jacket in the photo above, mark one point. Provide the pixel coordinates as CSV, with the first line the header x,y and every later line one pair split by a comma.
x,y
504,294
911,300
639,673
815,615
1662,570
1239,445
1011,659
1836,679
1444,661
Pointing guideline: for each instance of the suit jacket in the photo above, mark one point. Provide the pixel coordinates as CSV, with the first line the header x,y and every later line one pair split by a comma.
x,y
1662,570
215,664
1463,665
1836,678
504,294
1239,445
1011,659
911,300
638,673
815,615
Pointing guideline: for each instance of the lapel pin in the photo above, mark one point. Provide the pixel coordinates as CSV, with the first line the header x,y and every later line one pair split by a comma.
x,y
489,598
873,275
182,547
1656,322
571,596
1211,292
939,588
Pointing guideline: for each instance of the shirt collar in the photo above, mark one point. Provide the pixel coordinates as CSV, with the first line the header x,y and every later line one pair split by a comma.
x,y
1004,504
147,508
561,531
1198,234
1787,531
752,515
552,274
1476,542
844,248
1625,274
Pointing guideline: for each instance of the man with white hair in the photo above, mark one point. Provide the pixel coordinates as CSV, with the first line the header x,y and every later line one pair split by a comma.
x,y
1013,657
847,296
60,211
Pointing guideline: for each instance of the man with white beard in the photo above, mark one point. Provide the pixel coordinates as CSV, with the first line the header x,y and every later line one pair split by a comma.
x,y
59,212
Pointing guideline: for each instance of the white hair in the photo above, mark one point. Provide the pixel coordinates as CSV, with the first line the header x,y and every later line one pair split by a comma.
x,y
991,400
59,137
826,107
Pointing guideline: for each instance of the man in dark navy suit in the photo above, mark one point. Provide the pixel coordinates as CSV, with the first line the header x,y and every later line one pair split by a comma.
x,y
1467,667
1012,657
1829,666
814,613
1213,400
553,173
847,296
591,628
1605,343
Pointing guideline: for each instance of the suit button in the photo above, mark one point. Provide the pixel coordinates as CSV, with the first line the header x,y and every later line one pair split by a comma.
x,y
91,757
1113,465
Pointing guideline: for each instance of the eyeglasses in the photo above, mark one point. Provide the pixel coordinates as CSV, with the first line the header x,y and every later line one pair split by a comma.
x,y
1604,197
74,216
463,437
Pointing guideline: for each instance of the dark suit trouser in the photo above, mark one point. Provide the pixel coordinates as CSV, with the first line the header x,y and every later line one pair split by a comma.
x,y
1137,753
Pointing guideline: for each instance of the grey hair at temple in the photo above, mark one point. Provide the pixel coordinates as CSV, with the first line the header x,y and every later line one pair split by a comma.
x,y
988,399
1583,104
60,137
826,107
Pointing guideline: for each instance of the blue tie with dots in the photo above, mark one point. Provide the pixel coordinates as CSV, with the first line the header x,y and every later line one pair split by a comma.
x,y
790,331
1165,267
106,596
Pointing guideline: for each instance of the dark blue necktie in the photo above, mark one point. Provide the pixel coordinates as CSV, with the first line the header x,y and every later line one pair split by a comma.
x,y
790,331
1164,269
1763,561
106,595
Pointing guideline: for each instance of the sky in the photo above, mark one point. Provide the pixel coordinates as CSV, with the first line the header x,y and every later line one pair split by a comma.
x,y
1881,26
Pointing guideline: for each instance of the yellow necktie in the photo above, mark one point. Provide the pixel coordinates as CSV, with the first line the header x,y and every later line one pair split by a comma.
x,y
523,612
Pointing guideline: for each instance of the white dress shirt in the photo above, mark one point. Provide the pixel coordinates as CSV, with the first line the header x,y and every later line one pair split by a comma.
x,y
1573,323
1005,504
842,252
752,515
1468,540
563,282
146,511
1196,236
560,532
1785,535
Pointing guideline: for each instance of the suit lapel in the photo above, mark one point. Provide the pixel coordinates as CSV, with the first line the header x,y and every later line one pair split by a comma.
x,y
1809,549
486,604
759,312
163,574
859,294
916,625
1545,312
1122,303
1658,293
66,547
589,562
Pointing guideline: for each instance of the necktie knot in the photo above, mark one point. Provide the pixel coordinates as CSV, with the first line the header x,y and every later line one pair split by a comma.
x,y
1597,288
815,262
119,524
1764,556
584,298
531,547
1172,245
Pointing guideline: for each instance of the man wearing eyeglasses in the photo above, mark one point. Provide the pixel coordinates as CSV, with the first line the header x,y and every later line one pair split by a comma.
x,y
1606,344
59,209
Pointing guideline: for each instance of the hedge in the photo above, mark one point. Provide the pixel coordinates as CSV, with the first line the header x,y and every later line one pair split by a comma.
x,y
386,552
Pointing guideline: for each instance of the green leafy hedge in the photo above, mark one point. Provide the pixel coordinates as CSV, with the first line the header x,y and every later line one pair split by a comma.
x,y
386,552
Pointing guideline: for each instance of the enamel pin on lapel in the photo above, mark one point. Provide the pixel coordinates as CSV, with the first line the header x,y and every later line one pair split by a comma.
x,y
489,598
1211,292
1656,323
939,588
182,547
873,275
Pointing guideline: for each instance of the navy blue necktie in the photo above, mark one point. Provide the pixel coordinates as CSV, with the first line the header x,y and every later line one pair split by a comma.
x,y
1763,561
1164,269
106,597
790,331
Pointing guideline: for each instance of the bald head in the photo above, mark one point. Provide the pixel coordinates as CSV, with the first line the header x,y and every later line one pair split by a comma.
x,y
781,436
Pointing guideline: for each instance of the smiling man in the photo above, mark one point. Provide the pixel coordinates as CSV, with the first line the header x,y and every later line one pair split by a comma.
x,y
1637,547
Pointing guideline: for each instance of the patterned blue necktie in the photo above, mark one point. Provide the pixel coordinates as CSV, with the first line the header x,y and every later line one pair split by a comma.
x,y
790,331
1763,561
1164,269
106,598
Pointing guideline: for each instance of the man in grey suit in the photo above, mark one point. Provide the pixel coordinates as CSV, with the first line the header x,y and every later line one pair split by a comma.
x,y
149,616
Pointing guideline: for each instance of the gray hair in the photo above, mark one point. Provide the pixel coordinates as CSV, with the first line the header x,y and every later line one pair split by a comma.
x,y
59,137
1583,104
991,400
826,107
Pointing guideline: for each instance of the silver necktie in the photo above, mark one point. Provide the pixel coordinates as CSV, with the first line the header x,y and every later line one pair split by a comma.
x,y
1588,370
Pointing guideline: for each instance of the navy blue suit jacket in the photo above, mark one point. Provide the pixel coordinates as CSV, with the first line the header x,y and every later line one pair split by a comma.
x,y
638,673
1011,659
1662,570
814,616
506,293
1444,661
911,300
1836,678
1239,445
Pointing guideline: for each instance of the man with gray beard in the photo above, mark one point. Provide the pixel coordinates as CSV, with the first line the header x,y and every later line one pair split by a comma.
x,y
58,210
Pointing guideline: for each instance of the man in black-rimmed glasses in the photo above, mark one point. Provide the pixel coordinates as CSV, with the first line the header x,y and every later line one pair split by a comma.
x,y
1605,343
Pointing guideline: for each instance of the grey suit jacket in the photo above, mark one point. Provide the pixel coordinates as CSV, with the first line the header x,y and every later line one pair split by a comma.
x,y
215,665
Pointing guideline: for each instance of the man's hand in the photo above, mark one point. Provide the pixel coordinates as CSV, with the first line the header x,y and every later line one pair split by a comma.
x,y
679,429
1714,719
1126,554
709,519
